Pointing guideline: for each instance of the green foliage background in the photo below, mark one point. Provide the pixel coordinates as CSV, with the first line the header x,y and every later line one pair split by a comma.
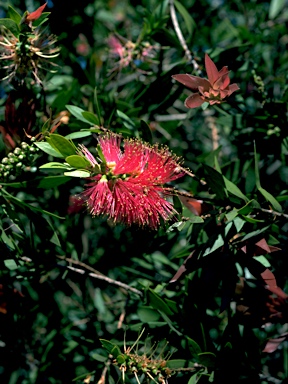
x,y
54,316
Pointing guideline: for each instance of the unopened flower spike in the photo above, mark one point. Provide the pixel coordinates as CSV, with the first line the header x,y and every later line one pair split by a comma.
x,y
28,52
130,186
213,90
130,53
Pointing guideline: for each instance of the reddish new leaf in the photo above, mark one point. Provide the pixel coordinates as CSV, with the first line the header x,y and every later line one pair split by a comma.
x,y
182,269
273,344
36,14
194,205
270,280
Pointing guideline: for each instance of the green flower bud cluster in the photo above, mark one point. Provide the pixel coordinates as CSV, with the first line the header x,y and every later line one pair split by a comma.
x,y
18,160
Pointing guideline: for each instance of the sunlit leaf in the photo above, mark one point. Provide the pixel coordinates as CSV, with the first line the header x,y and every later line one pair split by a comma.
x,y
14,15
81,174
91,118
61,144
77,161
126,120
46,147
276,6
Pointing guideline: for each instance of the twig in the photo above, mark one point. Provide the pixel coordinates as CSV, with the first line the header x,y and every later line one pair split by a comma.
x,y
274,212
97,275
115,282
214,131
181,38
77,262
105,369
191,174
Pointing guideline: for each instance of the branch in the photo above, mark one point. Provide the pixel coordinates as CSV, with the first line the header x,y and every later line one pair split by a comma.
x,y
97,275
274,212
181,38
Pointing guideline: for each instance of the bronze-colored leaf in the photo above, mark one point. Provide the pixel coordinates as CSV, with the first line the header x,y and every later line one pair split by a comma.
x,y
273,344
182,269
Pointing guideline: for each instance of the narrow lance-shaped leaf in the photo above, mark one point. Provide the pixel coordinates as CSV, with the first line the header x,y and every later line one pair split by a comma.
x,y
46,147
62,145
14,15
265,193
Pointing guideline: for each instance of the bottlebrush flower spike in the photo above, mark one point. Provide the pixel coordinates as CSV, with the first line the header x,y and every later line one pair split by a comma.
x,y
128,184
212,90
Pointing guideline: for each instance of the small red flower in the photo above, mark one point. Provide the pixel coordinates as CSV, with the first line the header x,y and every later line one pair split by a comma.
x,y
212,90
128,185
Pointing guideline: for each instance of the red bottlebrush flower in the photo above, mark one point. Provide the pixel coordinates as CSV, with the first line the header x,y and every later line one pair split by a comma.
x,y
128,185
212,90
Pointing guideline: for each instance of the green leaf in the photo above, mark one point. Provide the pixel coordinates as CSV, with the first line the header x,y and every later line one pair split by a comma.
x,y
77,161
263,261
111,348
10,264
218,243
194,347
55,165
7,239
62,145
24,205
252,220
147,314
41,20
156,302
179,225
248,208
81,174
257,176
275,8
40,182
215,182
46,147
78,135
100,154
232,188
46,126
77,112
98,357
172,304
11,25
207,359
121,358
196,219
255,233
239,223
14,15
276,206
176,363
91,118
194,379
52,181
126,120
232,214
189,21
